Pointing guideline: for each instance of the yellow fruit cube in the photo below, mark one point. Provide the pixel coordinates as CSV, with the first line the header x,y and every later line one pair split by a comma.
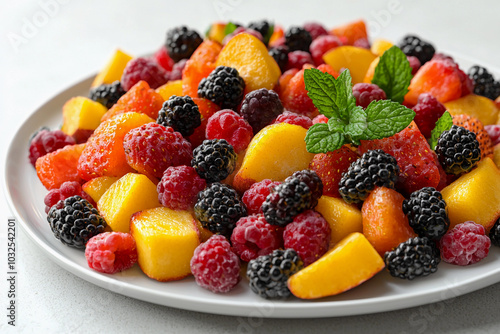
x,y
166,240
357,60
113,70
130,194
169,89
370,73
217,32
476,106
496,155
95,188
380,46
81,113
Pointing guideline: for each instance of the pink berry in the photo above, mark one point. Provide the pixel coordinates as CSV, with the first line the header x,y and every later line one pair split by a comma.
x,y
414,64
227,124
297,59
111,252
215,266
45,141
465,244
163,59
66,190
365,93
179,186
293,118
322,45
256,195
176,73
427,112
315,29
320,119
362,43
143,69
494,132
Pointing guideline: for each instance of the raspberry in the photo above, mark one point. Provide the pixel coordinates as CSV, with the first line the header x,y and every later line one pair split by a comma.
x,y
465,244
45,141
473,124
293,118
253,237
322,45
427,111
414,64
179,186
143,69
227,124
163,59
297,59
297,38
107,95
315,29
280,54
224,87
215,266
365,93
182,42
309,235
458,150
242,30
330,166
260,107
320,119
67,189
255,196
111,252
152,148
214,160
176,73
181,114
414,46
263,28
362,43
494,133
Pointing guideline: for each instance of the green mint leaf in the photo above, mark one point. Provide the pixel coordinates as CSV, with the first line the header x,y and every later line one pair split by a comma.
x,y
345,98
230,28
357,122
393,74
319,139
269,34
444,123
385,118
336,124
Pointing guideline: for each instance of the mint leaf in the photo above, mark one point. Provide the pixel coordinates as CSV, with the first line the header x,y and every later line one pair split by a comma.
x,y
319,139
345,98
230,28
322,91
336,124
385,118
393,74
357,122
444,123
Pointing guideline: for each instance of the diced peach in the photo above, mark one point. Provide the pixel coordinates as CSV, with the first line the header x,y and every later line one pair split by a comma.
x,y
352,31
169,89
476,106
55,168
217,32
371,71
496,155
277,35
379,46
357,60
199,66
95,188
113,70
80,114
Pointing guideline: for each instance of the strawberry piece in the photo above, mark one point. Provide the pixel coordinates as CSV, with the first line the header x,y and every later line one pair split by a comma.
x,y
415,158
482,136
330,167
55,168
207,108
494,132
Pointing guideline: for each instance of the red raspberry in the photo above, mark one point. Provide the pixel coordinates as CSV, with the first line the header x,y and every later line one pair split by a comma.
x,y
143,69
322,45
362,43
67,189
152,148
309,235
256,195
253,237
45,141
427,111
320,119
111,252
414,64
176,73
293,118
494,133
227,124
297,59
315,29
214,265
330,167
465,244
365,93
163,59
179,186
241,30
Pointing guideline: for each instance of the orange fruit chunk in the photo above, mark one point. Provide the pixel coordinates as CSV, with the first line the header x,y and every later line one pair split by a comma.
x,y
352,31
55,168
199,66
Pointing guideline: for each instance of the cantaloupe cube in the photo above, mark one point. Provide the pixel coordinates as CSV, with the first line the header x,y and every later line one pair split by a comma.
x,y
113,70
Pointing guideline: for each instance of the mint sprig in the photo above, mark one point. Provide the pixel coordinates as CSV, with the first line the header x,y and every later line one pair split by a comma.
x,y
348,123
393,74
230,28
444,123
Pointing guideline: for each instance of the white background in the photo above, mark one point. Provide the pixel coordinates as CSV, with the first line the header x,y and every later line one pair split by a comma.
x,y
77,38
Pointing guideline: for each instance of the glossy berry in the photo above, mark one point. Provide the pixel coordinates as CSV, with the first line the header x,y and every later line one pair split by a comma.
x,y
179,187
465,244
224,87
176,73
309,235
458,150
215,266
315,29
242,30
67,189
294,118
227,124
181,114
253,237
475,125
181,42
107,95
484,83
214,160
427,112
144,69
414,64
414,46
313,181
322,45
494,133
268,274
263,27
365,93
111,252
297,38
362,43
280,54
260,108
320,119
163,59
297,59
495,233
255,196
46,141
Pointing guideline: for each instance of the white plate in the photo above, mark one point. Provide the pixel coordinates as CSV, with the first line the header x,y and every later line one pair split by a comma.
x,y
25,195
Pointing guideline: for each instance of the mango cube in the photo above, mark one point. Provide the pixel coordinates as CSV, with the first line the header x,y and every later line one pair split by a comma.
x,y
81,113
476,106
113,70
95,188
357,60
379,46
169,89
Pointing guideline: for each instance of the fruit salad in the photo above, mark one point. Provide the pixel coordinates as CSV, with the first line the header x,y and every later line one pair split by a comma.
x,y
298,161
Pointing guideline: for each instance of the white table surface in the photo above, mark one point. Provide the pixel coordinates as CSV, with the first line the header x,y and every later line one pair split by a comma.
x,y
77,38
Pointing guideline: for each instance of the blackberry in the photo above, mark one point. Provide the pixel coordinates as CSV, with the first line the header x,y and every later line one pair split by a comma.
x,y
181,114
314,183
413,258
280,54
181,42
495,234
484,83
74,221
427,214
374,168
286,201
214,160
260,108
268,274
218,208
458,150
264,28
223,86
414,46
297,38
107,95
